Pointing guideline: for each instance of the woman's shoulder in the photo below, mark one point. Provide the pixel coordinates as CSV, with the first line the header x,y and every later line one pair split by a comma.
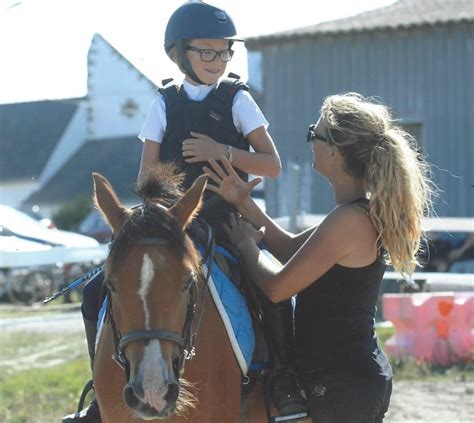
x,y
351,219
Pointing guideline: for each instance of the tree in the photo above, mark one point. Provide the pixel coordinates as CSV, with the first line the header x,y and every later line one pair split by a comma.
x,y
70,215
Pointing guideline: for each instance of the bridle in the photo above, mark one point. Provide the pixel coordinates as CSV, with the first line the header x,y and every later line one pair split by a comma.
x,y
187,338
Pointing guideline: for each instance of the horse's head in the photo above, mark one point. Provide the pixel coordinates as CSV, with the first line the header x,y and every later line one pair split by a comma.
x,y
151,276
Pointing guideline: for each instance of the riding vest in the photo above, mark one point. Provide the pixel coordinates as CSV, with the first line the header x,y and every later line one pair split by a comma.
x,y
211,116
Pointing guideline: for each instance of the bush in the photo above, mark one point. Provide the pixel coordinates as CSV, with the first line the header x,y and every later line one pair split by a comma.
x,y
70,215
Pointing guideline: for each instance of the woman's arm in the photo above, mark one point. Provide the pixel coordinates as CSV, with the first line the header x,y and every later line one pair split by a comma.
x,y
234,190
346,237
281,243
150,157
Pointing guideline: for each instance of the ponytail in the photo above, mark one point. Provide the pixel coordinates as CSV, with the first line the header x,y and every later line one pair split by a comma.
x,y
399,189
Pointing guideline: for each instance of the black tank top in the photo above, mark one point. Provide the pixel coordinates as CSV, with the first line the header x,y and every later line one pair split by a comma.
x,y
335,322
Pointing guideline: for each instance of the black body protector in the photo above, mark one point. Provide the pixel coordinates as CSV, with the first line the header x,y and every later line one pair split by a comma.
x,y
211,116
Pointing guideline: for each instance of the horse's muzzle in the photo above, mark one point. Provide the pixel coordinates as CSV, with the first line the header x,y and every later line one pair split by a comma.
x,y
147,407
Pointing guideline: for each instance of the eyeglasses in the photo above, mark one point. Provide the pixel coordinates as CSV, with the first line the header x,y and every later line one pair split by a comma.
x,y
208,55
312,135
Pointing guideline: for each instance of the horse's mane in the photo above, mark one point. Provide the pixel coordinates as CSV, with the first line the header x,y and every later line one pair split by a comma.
x,y
161,187
162,184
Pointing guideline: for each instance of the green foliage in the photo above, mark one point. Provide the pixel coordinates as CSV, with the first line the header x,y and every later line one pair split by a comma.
x,y
384,333
70,215
411,369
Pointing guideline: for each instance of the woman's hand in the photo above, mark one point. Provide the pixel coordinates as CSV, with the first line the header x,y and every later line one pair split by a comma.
x,y
241,233
202,148
228,183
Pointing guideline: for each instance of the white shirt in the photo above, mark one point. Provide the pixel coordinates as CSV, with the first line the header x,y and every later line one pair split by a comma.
x,y
246,114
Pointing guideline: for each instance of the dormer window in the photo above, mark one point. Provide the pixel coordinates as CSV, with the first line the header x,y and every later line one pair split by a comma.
x,y
129,108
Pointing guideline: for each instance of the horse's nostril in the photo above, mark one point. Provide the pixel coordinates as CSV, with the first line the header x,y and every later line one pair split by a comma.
x,y
129,396
173,393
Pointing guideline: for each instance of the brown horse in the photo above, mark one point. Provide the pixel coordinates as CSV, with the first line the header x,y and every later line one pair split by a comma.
x,y
156,304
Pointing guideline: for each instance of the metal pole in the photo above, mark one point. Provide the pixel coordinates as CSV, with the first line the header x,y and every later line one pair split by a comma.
x,y
294,185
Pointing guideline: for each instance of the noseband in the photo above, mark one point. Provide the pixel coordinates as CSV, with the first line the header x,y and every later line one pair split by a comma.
x,y
186,340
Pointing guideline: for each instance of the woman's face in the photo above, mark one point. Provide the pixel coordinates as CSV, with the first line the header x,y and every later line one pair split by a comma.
x,y
322,150
207,72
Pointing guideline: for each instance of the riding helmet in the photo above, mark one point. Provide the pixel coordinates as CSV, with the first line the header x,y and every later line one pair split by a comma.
x,y
199,20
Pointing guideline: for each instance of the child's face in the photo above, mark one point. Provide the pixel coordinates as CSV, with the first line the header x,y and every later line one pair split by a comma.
x,y
207,72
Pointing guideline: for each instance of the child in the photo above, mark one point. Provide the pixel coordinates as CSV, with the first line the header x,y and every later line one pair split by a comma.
x,y
205,117
202,120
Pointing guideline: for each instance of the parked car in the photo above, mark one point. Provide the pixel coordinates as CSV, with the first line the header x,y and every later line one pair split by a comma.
x,y
35,213
34,262
94,225
18,224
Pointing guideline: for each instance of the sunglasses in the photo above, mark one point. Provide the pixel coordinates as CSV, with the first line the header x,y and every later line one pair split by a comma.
x,y
313,136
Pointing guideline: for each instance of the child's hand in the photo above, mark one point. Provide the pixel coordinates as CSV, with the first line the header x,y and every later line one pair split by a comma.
x,y
227,183
202,148
241,233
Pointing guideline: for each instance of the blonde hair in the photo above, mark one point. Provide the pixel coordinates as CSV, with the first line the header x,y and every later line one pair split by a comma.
x,y
397,177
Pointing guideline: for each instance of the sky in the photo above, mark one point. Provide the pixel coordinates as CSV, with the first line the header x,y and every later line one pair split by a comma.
x,y
44,43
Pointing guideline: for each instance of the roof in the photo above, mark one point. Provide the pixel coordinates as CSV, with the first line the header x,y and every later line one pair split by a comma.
x,y
402,14
118,159
98,37
28,134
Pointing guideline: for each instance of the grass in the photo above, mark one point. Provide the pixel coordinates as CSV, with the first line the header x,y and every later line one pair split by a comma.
x,y
42,395
384,333
50,370
41,374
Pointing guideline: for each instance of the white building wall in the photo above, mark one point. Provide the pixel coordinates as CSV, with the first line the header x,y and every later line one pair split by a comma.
x,y
118,94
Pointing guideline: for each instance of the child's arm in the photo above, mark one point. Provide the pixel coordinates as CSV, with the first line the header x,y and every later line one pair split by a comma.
x,y
263,162
150,156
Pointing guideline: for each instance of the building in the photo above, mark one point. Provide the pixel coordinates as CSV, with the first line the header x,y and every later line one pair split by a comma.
x,y
50,148
417,56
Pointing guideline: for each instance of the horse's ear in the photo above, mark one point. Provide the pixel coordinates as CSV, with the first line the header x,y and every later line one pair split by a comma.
x,y
190,203
108,202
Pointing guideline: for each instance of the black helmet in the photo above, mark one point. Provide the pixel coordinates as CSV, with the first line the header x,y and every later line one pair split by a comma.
x,y
199,20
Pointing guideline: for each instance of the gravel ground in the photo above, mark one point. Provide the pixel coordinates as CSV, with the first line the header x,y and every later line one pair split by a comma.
x,y
443,401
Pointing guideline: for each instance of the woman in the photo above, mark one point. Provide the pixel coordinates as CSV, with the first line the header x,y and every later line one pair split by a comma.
x,y
381,192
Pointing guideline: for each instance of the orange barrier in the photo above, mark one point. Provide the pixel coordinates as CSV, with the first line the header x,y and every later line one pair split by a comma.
x,y
437,328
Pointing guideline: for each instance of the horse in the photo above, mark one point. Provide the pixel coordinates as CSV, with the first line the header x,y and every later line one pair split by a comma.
x,y
159,315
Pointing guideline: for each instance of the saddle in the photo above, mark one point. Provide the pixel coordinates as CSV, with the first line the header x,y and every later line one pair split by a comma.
x,y
228,259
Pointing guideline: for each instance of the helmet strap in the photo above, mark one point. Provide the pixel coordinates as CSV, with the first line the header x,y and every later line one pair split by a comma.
x,y
188,70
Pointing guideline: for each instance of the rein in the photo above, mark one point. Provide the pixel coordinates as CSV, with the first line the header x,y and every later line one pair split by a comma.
x,y
187,339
